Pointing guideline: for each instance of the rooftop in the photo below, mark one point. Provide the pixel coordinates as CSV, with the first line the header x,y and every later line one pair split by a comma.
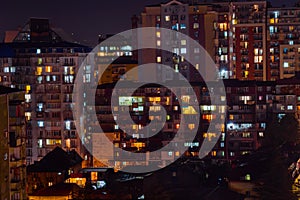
x,y
57,160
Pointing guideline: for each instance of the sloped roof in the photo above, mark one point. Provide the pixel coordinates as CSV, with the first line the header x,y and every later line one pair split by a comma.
x,y
56,161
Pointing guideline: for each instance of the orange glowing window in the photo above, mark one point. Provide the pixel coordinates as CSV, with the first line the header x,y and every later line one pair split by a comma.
x,y
209,117
209,136
39,70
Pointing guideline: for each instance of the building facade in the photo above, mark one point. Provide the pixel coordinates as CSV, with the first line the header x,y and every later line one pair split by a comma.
x,y
12,148
283,42
247,40
40,62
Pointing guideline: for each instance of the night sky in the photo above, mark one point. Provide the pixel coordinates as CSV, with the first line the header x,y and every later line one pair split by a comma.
x,y
85,18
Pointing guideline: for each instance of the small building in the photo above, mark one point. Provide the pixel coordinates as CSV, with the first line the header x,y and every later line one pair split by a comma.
x,y
56,167
60,191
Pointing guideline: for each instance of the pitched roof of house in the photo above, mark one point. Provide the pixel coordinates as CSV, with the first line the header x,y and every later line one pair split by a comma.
x,y
56,161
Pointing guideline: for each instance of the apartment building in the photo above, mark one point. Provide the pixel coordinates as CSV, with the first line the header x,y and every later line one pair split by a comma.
x,y
41,63
12,148
248,40
283,42
246,113
184,19
232,33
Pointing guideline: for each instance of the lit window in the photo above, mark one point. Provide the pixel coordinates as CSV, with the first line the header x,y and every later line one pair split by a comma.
x,y
290,107
68,125
183,42
6,69
53,141
158,34
255,7
214,153
196,25
72,70
248,177
191,126
40,123
223,98
167,18
258,59
158,43
222,144
155,108
285,64
182,26
38,51
27,98
28,88
48,69
209,136
158,59
189,110
40,61
261,134
183,50
177,126
168,117
39,70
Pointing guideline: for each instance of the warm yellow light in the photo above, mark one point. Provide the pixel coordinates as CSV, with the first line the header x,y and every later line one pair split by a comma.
x,y
28,88
209,136
167,101
158,34
72,70
138,145
39,71
158,59
40,61
94,176
48,69
191,126
68,143
214,153
189,110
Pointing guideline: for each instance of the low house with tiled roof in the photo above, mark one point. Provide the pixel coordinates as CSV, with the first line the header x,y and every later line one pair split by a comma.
x,y
56,167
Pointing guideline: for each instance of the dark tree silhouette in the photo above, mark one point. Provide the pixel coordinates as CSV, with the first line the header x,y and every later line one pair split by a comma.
x,y
275,182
